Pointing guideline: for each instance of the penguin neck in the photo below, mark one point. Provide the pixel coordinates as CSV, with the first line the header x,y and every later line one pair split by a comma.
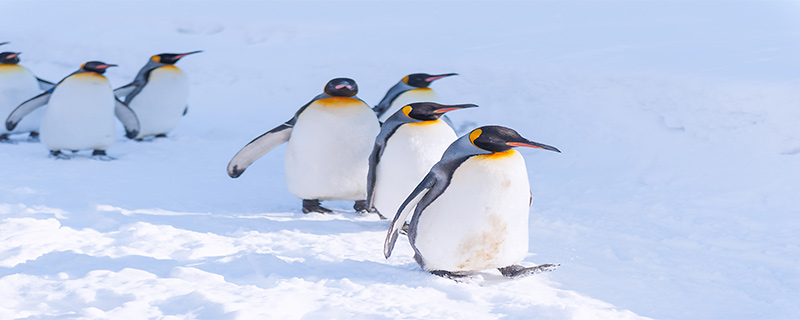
x,y
498,155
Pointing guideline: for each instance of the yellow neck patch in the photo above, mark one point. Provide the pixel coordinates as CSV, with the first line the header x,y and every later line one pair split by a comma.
x,y
498,155
424,123
339,102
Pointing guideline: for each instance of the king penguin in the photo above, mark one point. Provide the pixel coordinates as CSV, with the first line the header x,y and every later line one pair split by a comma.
x,y
158,94
412,88
411,141
470,212
80,113
17,84
330,140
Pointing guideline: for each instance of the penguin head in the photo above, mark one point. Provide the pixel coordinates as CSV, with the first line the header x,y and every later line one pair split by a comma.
x,y
499,139
429,111
96,66
170,58
341,87
9,57
423,80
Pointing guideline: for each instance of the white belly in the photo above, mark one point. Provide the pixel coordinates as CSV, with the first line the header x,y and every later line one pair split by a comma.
x,y
80,114
327,157
18,84
481,219
408,156
415,95
160,104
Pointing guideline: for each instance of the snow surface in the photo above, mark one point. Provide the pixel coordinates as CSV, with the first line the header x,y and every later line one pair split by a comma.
x,y
675,196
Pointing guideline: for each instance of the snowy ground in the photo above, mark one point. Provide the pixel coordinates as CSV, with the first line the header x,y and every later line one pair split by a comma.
x,y
674,197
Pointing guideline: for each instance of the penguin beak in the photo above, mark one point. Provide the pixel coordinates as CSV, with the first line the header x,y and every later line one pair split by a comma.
x,y
13,55
532,144
341,86
186,54
444,109
2,43
106,66
437,77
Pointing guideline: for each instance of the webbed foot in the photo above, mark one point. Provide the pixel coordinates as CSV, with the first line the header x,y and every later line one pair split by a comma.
x,y
313,206
58,155
101,155
518,271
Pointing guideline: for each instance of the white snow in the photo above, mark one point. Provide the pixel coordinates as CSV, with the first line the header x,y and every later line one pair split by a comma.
x,y
675,196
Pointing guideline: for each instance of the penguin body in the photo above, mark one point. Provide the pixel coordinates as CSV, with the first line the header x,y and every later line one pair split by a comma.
x,y
410,143
329,143
412,88
158,95
80,112
18,84
327,155
471,211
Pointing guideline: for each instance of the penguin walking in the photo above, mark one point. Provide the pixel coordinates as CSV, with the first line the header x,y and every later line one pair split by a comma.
x,y
158,95
471,211
17,84
412,88
330,140
80,113
411,141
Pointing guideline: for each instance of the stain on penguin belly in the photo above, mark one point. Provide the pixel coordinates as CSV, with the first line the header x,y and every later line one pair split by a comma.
x,y
480,250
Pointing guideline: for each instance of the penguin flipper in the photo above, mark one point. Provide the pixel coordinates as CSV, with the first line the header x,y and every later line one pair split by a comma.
x,y
25,108
257,148
44,84
372,174
128,118
405,209
125,90
185,110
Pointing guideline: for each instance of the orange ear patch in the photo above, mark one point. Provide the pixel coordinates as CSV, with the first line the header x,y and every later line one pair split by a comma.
x,y
474,135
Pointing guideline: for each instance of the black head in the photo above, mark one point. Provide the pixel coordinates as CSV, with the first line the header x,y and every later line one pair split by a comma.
x,y
428,111
499,139
9,57
96,66
341,87
423,80
171,58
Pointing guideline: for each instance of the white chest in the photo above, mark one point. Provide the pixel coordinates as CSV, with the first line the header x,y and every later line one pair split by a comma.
x,y
18,84
161,102
408,156
80,114
481,219
328,151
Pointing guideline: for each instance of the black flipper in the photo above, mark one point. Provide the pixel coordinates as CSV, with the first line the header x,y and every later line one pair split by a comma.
x,y
405,209
257,148
128,118
518,271
25,108
45,85
126,90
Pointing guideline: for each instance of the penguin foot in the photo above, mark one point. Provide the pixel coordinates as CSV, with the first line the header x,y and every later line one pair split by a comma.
x,y
313,206
161,135
5,139
518,271
404,229
361,208
33,136
101,155
58,155
454,275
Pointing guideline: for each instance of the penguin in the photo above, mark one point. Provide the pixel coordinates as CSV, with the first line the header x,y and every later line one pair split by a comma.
x,y
158,95
412,88
80,113
411,141
329,142
17,84
470,212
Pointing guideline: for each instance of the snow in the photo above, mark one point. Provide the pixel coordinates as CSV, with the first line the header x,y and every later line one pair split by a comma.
x,y
674,197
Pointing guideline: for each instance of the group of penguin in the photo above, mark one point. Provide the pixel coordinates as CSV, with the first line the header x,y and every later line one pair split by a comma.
x,y
462,201
80,109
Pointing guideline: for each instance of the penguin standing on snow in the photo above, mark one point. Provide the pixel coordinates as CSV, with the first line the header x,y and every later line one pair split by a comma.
x,y
330,139
158,94
17,84
412,88
471,211
80,113
411,141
